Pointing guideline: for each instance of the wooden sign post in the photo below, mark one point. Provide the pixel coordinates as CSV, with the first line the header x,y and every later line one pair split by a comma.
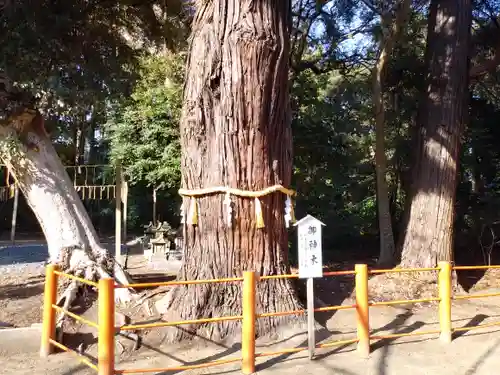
x,y
118,214
310,266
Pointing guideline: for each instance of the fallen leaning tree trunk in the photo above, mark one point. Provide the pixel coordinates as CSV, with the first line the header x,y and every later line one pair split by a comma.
x,y
72,241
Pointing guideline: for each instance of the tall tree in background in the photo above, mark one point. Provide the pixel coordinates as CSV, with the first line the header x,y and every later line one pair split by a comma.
x,y
391,29
235,132
429,233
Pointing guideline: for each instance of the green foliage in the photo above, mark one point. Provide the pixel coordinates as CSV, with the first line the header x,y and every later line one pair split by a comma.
x,y
143,130
333,171
10,146
84,45
73,55
77,56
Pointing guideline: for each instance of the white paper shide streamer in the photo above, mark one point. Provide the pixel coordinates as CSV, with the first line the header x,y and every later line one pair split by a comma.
x,y
288,211
183,212
229,209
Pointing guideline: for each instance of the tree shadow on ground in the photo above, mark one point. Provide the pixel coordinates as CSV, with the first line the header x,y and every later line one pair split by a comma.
x,y
76,340
386,343
324,334
475,366
466,257
472,254
21,291
231,350
80,342
234,348
395,327
320,335
75,370
475,321
468,278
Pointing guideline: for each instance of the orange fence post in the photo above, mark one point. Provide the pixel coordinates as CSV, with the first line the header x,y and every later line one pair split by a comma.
x,y
362,310
444,282
49,314
248,324
106,320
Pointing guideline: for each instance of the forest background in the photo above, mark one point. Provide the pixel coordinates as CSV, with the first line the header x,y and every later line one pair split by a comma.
x,y
109,81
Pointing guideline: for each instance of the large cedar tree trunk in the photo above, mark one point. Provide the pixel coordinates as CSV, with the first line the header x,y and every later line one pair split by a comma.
x,y
391,32
235,132
429,233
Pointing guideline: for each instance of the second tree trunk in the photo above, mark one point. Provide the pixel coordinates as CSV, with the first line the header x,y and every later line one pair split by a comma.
x,y
429,233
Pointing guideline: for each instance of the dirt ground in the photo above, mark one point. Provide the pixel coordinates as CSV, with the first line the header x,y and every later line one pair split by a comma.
x,y
22,283
477,352
474,353
21,299
21,288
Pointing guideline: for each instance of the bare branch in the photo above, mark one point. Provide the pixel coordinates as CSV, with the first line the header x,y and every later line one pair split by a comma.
x,y
487,66
491,64
315,67
491,13
372,7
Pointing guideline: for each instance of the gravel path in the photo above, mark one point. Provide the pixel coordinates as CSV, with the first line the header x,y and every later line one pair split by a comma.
x,y
21,282
22,258
26,256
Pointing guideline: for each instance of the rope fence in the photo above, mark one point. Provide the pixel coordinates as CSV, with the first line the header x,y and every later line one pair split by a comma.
x,y
91,181
106,316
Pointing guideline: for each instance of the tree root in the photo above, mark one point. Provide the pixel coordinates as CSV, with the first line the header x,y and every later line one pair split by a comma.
x,y
68,296
77,261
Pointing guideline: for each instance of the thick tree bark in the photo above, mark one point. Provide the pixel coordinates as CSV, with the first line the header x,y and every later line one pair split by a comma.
x,y
429,233
391,32
387,248
71,238
235,132
49,192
